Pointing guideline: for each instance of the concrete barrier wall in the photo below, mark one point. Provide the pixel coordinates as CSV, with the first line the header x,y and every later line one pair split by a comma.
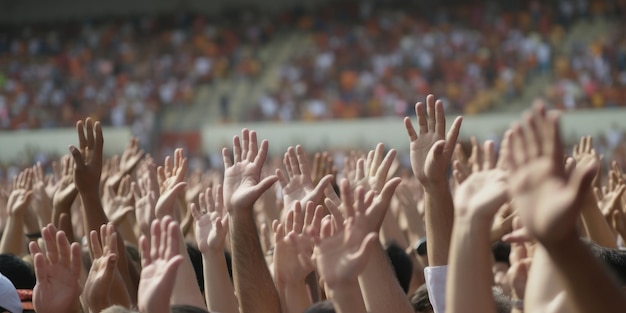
x,y
345,134
391,131
14,144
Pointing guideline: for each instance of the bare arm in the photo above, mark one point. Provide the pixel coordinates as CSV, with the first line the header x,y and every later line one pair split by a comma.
x,y
242,187
211,230
13,236
431,153
550,203
469,281
88,169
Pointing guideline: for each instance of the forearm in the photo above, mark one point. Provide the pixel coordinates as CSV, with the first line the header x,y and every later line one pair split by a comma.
x,y
186,290
126,229
294,296
13,237
544,290
93,218
469,281
347,298
390,231
218,289
589,286
599,230
381,290
439,218
253,283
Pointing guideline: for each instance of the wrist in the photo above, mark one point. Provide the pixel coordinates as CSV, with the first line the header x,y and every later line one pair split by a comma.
x,y
341,285
434,186
472,224
465,214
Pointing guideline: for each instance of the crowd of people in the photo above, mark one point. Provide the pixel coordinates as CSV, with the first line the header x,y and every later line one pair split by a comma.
x,y
120,71
522,229
368,59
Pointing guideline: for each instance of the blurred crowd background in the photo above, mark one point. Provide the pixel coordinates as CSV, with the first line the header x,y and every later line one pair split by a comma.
x,y
161,73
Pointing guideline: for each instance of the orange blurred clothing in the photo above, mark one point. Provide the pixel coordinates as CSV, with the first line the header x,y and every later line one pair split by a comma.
x,y
348,80
343,110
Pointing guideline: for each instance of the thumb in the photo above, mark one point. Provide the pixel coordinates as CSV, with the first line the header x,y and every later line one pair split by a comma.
x,y
265,184
437,148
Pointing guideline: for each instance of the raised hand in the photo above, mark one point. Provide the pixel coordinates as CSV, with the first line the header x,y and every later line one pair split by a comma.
x,y
242,176
146,191
104,286
57,272
372,173
484,159
172,172
609,198
483,192
298,184
292,235
432,150
160,260
343,257
22,192
322,166
211,221
88,156
12,240
547,199
66,192
42,202
117,204
293,243
212,224
130,157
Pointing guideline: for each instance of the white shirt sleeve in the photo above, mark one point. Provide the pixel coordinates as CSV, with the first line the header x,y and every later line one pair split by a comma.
x,y
436,284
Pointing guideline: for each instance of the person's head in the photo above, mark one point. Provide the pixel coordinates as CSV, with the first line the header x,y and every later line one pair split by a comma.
x,y
196,260
321,307
613,259
183,308
9,299
420,300
402,265
20,273
501,251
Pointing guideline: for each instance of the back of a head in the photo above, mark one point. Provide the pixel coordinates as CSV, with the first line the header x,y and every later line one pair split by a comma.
x,y
9,299
420,300
613,259
17,271
321,307
402,265
196,261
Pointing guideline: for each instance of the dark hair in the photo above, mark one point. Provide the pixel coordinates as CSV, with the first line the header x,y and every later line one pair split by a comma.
x,y
229,264
402,265
614,260
196,260
185,308
19,272
420,300
321,307
501,251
